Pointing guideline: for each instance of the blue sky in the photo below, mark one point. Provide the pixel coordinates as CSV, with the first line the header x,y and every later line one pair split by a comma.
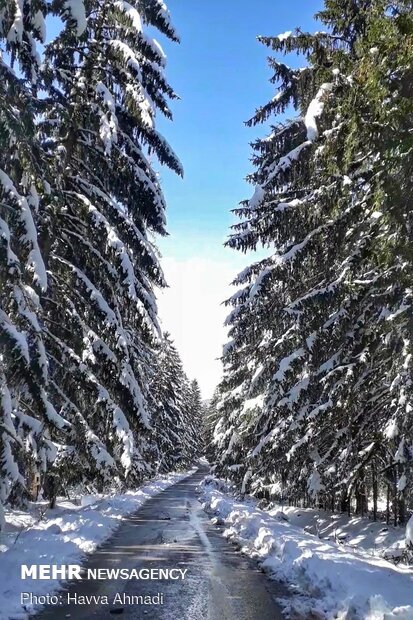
x,y
220,72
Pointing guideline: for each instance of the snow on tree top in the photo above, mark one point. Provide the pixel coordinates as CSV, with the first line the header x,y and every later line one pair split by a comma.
x,y
76,11
314,110
131,13
284,35
15,34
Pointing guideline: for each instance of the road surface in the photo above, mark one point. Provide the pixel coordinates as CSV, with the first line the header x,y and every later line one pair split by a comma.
x,y
172,531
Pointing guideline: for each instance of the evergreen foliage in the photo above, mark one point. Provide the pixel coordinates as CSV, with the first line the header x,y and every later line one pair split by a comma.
x,y
91,390
28,416
317,394
103,263
179,409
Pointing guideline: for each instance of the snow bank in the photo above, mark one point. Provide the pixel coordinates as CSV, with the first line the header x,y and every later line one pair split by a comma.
x,y
330,580
361,533
63,536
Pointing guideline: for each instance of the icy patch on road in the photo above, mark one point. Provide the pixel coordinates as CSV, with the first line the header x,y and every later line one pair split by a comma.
x,y
329,580
63,536
197,526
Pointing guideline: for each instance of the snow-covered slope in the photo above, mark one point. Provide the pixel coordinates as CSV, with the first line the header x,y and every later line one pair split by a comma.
x,y
328,579
375,538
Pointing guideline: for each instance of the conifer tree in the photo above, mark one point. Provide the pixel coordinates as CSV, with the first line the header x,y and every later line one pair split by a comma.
x,y
195,418
27,414
317,388
212,416
105,79
168,391
85,395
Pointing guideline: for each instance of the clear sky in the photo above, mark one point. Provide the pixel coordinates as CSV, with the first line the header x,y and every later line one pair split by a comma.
x,y
220,72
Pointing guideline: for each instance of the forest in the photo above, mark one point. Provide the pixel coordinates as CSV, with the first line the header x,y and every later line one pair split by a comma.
x,y
315,404
91,391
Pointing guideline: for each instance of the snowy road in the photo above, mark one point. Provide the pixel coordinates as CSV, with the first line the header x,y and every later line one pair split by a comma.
x,y
172,531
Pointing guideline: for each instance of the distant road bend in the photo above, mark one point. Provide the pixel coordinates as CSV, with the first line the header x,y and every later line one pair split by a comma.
x,y
172,531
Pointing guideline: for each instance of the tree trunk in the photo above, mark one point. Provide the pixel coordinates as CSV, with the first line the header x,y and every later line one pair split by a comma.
x,y
401,509
361,497
388,505
375,490
394,502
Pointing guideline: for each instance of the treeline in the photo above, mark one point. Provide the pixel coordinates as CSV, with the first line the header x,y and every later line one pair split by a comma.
x,y
90,388
315,405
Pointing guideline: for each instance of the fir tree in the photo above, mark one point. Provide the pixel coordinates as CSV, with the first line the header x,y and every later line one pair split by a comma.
x,y
105,79
90,389
169,391
318,368
28,416
195,418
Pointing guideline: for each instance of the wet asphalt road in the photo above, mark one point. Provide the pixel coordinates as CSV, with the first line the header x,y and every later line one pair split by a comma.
x,y
172,531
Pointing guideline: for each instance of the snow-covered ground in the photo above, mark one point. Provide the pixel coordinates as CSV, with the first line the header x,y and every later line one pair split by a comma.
x,y
335,572
62,536
376,538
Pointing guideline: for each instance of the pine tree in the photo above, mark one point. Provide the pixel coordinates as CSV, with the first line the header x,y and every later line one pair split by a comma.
x,y
195,418
213,416
318,368
169,390
105,82
28,416
84,394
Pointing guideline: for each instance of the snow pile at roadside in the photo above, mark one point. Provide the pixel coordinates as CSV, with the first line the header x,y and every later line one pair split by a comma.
x,y
63,536
329,580
361,533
